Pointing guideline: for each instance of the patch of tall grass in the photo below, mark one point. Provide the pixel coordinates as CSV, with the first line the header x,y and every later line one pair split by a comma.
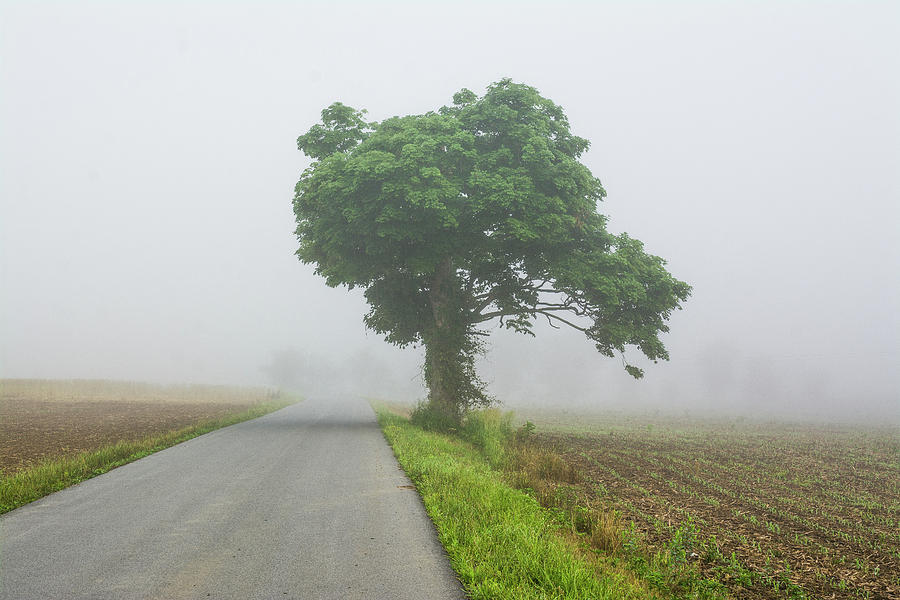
x,y
501,542
488,430
53,475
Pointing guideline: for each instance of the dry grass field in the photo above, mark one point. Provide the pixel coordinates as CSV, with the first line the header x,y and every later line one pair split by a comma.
x,y
770,510
48,419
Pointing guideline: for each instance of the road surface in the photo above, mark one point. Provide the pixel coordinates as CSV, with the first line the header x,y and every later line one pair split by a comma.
x,y
307,502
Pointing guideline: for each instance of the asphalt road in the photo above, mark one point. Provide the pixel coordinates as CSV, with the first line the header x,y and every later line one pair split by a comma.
x,y
307,502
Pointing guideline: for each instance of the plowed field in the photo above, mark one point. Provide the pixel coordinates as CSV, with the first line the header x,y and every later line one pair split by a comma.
x,y
772,511
50,419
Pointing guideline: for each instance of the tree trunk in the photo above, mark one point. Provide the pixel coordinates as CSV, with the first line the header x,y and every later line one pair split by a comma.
x,y
442,348
441,396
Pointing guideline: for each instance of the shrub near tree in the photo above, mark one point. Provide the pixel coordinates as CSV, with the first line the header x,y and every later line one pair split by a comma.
x,y
478,212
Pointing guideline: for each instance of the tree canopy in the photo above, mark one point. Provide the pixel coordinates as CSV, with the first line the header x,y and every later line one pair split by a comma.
x,y
478,212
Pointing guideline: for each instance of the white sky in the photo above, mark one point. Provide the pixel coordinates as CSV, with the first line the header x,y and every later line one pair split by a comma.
x,y
148,158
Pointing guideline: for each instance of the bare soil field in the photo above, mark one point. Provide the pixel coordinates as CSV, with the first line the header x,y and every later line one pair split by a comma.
x,y
49,419
770,510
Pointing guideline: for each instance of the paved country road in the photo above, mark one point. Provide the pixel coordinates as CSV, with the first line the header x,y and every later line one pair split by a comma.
x,y
306,502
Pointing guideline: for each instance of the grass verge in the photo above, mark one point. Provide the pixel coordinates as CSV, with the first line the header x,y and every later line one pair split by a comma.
x,y
53,475
501,542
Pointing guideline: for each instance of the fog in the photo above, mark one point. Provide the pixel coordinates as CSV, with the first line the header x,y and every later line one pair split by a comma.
x,y
148,159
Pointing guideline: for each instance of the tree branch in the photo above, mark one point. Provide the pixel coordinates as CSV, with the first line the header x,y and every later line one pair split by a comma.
x,y
486,299
485,302
569,323
488,316
546,311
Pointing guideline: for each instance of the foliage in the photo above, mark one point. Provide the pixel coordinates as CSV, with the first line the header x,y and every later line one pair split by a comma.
x,y
478,212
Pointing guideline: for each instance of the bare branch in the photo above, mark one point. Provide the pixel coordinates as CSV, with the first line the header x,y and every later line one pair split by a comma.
x,y
569,323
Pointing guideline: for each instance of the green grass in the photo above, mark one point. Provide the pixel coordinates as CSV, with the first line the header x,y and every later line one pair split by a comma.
x,y
53,475
501,543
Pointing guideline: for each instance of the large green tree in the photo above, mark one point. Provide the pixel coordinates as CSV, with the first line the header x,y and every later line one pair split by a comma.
x,y
478,212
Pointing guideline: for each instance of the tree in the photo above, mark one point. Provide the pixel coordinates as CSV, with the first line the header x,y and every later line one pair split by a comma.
x,y
478,212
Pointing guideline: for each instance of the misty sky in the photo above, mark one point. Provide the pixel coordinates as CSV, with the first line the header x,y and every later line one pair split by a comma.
x,y
148,158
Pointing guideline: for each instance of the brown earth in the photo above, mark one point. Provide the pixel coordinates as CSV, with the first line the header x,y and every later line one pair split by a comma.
x,y
818,509
43,420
